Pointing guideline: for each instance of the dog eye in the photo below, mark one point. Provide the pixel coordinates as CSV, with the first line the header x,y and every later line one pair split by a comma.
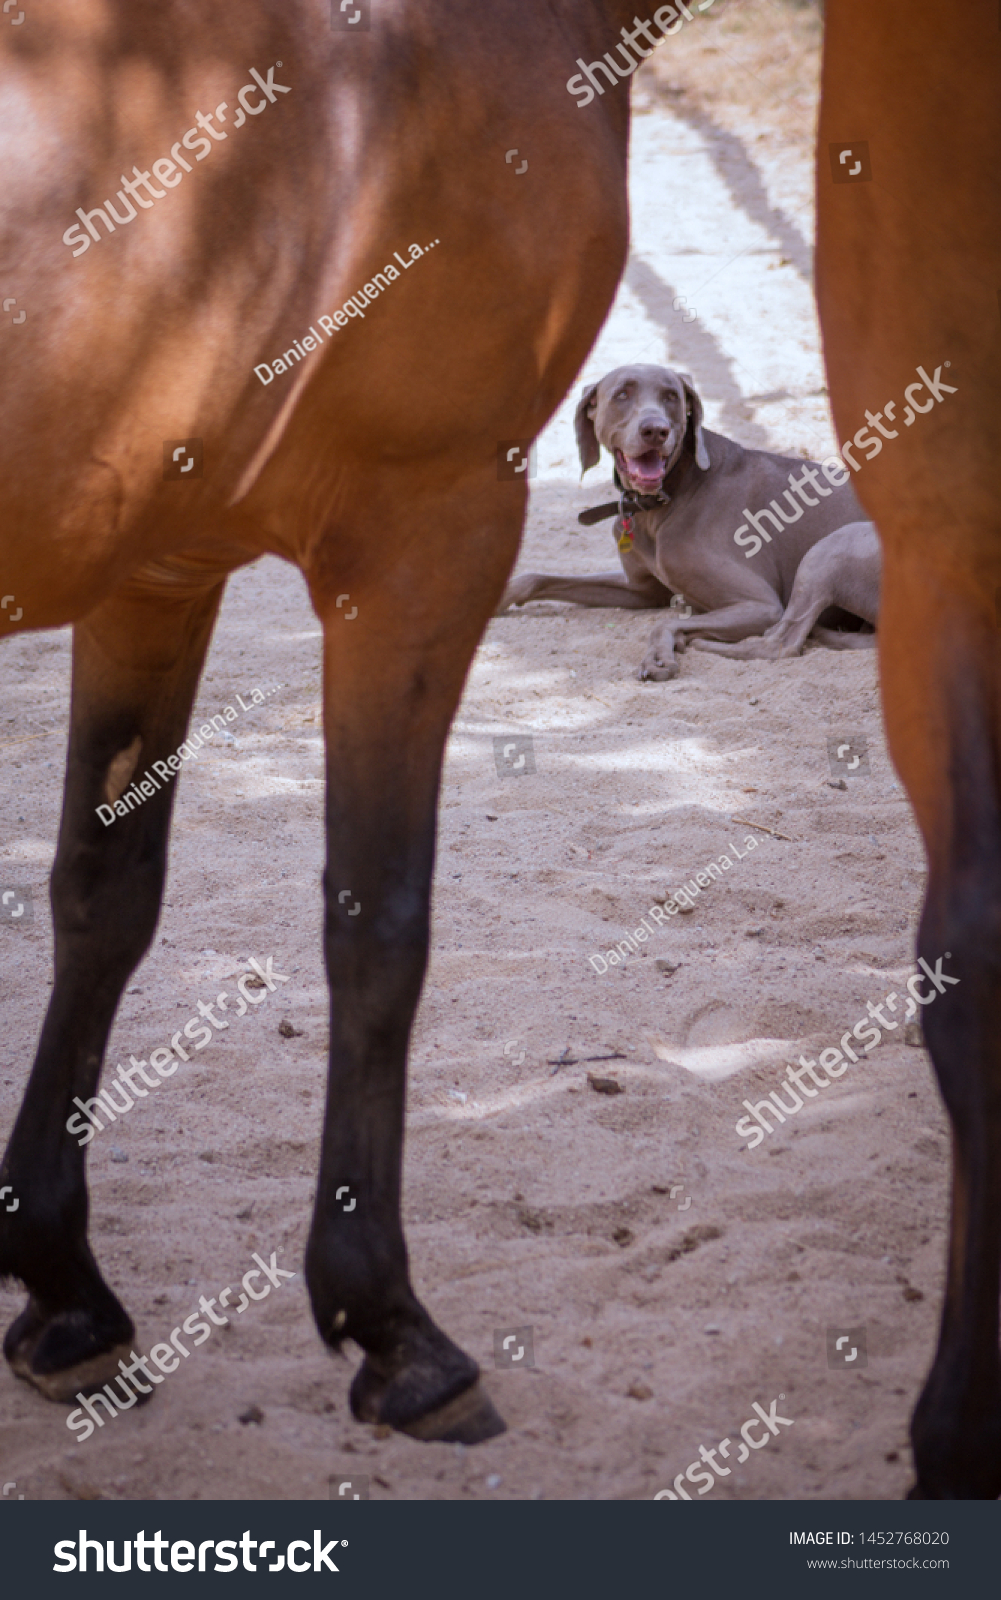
x,y
623,394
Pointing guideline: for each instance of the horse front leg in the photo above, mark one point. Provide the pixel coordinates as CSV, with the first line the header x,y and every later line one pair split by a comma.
x,y
393,673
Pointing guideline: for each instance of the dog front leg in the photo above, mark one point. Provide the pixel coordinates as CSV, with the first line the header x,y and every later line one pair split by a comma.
x,y
737,621
635,592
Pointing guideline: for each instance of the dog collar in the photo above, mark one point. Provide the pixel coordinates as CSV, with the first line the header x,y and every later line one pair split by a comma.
x,y
626,506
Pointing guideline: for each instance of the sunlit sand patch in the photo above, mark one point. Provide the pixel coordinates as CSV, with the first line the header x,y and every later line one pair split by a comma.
x,y
714,1062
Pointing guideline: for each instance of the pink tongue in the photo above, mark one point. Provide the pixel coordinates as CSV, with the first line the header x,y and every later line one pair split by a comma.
x,y
648,468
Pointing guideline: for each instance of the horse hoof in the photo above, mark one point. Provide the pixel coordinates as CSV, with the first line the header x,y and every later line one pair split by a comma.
x,y
61,1355
471,1418
85,1378
441,1400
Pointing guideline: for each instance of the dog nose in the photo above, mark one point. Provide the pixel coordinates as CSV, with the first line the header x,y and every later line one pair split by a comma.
x,y
653,431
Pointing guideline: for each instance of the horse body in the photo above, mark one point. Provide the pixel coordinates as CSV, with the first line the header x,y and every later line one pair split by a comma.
x,y
370,462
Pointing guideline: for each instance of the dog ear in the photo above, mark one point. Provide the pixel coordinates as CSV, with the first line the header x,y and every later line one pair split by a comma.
x,y
695,412
588,447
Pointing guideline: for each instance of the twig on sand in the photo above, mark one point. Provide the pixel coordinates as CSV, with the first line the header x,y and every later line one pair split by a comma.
x,y
567,1060
26,738
747,823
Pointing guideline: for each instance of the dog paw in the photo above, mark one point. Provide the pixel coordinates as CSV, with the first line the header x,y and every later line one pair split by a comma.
x,y
517,592
655,670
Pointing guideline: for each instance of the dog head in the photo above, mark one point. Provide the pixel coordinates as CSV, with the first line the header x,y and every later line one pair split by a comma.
x,y
643,415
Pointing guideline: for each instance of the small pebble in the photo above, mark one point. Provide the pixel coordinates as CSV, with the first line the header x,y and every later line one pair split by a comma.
x,y
639,1391
663,965
491,816
753,702
252,1414
117,1154
494,1481
836,783
711,1328
604,1085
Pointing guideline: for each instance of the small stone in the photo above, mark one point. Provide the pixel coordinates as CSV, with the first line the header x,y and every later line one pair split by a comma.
x,y
491,816
252,1414
753,933
910,1293
118,1154
913,1034
639,1391
494,1480
254,981
836,783
244,1215
753,702
206,1155
287,1031
587,1342
686,911
711,1327
604,1085
892,1455
669,967
623,1236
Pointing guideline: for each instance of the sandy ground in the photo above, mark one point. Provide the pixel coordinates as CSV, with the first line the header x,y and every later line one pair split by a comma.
x,y
670,1275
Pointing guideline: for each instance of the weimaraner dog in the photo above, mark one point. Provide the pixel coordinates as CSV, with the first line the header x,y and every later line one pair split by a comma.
x,y
760,545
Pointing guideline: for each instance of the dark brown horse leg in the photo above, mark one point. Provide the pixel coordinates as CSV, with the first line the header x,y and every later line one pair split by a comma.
x,y
136,663
943,713
938,639
393,676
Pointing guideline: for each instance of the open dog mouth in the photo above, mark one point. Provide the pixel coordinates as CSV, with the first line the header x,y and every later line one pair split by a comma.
x,y
643,473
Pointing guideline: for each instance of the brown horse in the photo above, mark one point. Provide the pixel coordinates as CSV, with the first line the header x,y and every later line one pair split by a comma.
x,y
338,285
